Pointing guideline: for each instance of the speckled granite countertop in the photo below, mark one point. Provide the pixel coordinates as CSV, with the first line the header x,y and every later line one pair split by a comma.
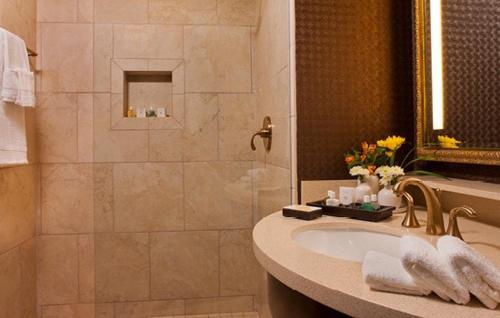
x,y
338,283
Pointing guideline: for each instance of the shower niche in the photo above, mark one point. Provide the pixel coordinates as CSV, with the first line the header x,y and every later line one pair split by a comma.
x,y
148,91
147,84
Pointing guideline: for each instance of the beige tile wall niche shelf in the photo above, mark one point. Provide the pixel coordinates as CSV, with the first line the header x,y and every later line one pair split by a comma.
x,y
147,83
145,89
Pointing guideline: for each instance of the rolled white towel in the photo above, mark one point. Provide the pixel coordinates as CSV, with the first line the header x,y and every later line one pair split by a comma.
x,y
428,267
480,276
386,273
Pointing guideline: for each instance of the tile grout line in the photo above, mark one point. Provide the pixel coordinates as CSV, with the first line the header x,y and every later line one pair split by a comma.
x,y
252,88
78,269
150,270
219,239
184,194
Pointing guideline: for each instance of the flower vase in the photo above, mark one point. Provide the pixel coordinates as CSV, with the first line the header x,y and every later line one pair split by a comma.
x,y
361,190
387,197
374,183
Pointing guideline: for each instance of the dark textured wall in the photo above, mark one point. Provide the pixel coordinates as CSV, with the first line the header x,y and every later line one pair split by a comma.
x,y
354,79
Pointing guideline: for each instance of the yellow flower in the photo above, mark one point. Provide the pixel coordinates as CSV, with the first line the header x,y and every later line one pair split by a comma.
x,y
381,143
389,153
448,142
392,143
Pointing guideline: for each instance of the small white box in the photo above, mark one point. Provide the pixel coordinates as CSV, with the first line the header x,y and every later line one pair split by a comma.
x,y
346,195
141,112
160,112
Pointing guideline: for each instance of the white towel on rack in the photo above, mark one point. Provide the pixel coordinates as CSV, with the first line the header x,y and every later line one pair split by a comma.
x,y
427,266
17,84
478,274
386,273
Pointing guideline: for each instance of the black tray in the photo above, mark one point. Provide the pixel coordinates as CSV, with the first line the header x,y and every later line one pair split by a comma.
x,y
308,216
353,211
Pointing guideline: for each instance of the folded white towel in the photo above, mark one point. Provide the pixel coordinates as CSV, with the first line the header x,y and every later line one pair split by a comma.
x,y
386,273
480,276
17,83
428,267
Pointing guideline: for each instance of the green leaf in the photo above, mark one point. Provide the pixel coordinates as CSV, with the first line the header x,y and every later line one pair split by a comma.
x,y
417,159
407,156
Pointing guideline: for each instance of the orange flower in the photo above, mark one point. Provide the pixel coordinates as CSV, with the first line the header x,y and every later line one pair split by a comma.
x,y
372,148
363,157
349,159
364,146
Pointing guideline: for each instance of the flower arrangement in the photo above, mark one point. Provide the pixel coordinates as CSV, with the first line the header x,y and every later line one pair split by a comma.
x,y
382,159
359,171
390,146
370,157
448,142
389,175
375,155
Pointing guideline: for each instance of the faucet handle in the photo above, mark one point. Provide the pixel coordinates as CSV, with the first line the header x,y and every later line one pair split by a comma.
x,y
410,219
464,210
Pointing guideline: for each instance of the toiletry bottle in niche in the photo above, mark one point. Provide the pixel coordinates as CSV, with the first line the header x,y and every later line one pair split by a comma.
x,y
151,112
141,112
161,112
131,112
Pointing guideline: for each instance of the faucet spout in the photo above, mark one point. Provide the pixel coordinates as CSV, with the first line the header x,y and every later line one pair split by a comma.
x,y
435,223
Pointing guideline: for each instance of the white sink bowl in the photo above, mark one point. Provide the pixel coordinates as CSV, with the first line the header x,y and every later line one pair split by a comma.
x,y
348,243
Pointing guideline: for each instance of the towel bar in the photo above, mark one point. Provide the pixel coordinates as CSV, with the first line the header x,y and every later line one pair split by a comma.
x,y
31,52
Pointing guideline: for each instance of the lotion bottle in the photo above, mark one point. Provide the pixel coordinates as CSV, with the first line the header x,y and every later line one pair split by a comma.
x,y
374,201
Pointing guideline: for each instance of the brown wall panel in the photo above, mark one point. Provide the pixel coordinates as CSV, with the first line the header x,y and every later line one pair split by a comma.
x,y
354,79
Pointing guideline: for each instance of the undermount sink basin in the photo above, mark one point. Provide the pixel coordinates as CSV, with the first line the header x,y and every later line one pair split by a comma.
x,y
348,243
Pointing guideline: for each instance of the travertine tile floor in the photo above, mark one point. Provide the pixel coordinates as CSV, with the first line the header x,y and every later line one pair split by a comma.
x,y
224,315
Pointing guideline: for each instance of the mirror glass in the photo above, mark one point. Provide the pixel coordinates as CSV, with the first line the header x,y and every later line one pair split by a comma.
x,y
462,73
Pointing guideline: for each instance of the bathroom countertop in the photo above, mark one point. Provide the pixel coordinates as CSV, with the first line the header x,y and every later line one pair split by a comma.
x,y
338,283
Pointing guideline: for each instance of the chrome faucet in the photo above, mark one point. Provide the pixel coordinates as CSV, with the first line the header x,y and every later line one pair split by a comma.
x,y
435,223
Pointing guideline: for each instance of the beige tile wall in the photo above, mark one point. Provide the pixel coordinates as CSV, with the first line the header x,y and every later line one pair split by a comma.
x,y
19,193
146,217
18,201
272,72
272,84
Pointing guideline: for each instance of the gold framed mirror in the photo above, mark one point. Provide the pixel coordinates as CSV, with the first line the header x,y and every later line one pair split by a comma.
x,y
457,89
